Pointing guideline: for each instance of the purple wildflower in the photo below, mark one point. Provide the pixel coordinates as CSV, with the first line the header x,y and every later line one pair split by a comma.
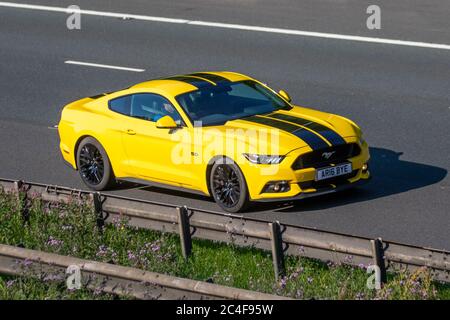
x,y
120,222
10,283
53,277
52,242
34,195
348,258
283,282
98,291
310,280
116,221
131,255
27,262
154,246
102,251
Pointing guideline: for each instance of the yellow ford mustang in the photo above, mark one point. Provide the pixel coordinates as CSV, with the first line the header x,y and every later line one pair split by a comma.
x,y
222,134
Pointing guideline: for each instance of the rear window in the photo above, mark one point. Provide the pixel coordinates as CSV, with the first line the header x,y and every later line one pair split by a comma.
x,y
121,105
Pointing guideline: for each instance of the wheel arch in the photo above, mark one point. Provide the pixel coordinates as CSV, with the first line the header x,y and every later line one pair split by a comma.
x,y
77,145
210,165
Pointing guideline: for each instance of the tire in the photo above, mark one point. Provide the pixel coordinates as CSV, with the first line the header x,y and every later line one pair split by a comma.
x,y
228,186
94,166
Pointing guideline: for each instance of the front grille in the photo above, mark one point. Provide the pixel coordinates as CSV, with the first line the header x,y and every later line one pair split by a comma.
x,y
317,158
337,181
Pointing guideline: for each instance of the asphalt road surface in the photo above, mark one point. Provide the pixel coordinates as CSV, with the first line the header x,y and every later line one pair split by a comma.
x,y
398,94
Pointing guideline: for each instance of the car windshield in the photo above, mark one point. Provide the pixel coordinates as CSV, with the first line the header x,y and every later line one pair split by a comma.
x,y
216,105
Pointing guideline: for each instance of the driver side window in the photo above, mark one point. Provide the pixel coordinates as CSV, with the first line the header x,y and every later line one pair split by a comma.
x,y
152,107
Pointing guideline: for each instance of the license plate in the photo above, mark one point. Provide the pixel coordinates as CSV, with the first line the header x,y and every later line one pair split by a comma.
x,y
335,171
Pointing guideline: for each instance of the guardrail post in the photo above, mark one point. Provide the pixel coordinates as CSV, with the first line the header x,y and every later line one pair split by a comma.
x,y
23,201
98,208
378,257
17,186
277,249
185,231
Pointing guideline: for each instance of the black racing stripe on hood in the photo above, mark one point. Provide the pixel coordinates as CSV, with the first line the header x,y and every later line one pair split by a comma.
x,y
196,82
332,136
211,77
313,140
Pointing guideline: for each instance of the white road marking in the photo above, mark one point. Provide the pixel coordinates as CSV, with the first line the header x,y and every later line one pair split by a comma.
x,y
88,64
232,26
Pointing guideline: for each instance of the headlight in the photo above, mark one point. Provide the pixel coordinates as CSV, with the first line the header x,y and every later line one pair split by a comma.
x,y
263,159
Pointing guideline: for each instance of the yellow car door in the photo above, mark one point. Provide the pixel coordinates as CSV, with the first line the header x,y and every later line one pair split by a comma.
x,y
150,150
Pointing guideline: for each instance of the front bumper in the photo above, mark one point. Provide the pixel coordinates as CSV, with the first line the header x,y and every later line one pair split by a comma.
x,y
302,182
319,192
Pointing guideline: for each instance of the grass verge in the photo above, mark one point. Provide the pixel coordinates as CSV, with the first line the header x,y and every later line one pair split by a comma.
x,y
72,230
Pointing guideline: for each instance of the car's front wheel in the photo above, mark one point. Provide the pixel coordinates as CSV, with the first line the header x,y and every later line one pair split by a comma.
x,y
94,166
228,186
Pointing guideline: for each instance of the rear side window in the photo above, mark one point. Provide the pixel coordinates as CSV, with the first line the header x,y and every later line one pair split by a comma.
x,y
121,105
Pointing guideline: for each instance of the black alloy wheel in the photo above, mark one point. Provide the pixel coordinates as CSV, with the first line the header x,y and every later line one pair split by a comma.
x,y
228,187
94,166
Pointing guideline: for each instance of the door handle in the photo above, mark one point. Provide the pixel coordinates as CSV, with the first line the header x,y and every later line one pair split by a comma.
x,y
131,132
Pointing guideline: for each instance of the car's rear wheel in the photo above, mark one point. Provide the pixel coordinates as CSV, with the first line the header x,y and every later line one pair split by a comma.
x,y
228,186
94,166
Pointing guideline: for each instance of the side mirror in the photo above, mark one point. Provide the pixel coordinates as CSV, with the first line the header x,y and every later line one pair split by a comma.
x,y
285,95
166,122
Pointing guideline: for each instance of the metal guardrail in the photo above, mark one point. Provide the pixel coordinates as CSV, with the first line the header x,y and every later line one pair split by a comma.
x,y
279,238
116,279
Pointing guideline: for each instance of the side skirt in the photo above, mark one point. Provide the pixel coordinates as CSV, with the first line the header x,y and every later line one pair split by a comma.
x,y
161,185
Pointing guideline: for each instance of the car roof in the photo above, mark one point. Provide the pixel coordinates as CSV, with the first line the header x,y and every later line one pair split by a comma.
x,y
175,85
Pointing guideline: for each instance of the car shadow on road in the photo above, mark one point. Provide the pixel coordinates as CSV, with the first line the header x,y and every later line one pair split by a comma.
x,y
390,175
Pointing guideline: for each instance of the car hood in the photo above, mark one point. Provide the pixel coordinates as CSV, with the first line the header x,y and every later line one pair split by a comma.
x,y
283,131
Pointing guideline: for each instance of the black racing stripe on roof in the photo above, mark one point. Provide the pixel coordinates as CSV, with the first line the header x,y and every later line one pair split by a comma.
x,y
98,96
332,136
312,139
196,82
211,77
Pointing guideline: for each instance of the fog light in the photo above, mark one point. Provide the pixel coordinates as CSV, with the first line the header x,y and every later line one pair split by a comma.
x,y
276,187
365,167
